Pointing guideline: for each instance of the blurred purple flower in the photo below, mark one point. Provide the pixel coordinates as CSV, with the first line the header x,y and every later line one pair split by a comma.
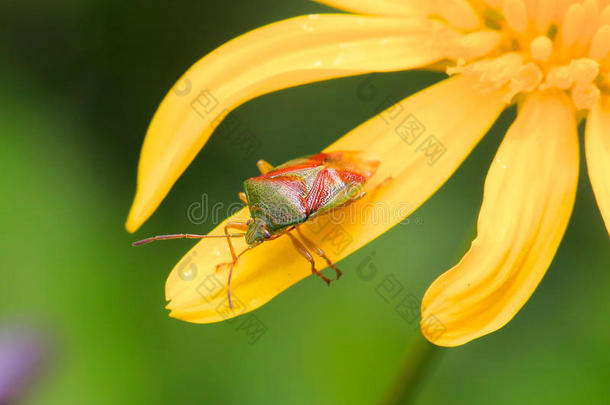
x,y
23,353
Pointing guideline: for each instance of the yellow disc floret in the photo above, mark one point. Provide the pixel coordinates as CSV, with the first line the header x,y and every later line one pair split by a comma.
x,y
525,45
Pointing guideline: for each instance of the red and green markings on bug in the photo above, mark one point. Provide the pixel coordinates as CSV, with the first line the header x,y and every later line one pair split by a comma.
x,y
284,197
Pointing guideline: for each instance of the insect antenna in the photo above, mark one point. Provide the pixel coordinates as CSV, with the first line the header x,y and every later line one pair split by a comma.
x,y
184,236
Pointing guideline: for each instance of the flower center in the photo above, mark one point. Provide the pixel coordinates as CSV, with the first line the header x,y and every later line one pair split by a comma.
x,y
527,45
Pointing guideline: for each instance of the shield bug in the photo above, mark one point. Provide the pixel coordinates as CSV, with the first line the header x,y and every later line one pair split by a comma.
x,y
286,196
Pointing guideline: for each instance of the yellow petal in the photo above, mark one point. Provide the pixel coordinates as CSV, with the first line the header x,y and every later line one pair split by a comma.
x,y
597,147
383,7
418,151
529,195
284,54
459,13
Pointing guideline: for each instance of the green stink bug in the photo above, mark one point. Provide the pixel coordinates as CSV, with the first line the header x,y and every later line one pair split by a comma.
x,y
282,198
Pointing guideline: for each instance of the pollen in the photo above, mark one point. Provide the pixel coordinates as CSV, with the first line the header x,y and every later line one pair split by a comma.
x,y
585,96
584,70
527,79
521,46
541,48
559,77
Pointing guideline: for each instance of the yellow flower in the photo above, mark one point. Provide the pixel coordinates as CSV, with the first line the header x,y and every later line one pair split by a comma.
x,y
550,57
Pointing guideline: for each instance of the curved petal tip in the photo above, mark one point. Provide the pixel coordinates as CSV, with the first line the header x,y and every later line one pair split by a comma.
x,y
528,198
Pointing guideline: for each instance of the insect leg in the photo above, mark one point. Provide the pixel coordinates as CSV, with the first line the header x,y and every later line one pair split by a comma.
x,y
242,226
317,250
305,253
264,166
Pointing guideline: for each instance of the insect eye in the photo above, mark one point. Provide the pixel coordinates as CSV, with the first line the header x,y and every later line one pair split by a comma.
x,y
266,234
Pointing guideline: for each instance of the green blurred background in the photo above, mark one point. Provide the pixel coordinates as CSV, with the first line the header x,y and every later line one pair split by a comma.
x,y
79,84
